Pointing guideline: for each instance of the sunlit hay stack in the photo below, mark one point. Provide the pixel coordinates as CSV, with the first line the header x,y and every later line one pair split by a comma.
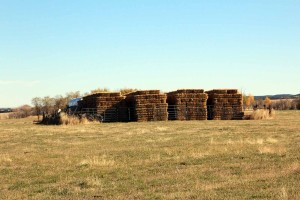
x,y
148,105
260,114
225,104
110,105
187,104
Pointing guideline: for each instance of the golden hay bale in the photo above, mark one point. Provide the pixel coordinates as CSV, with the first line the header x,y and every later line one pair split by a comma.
x,y
260,114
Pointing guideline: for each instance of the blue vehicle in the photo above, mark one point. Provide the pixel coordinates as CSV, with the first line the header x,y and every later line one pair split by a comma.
x,y
5,110
73,105
74,108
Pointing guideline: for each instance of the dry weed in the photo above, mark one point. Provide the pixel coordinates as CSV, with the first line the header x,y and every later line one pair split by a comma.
x,y
94,181
262,114
292,168
4,158
97,161
198,154
283,193
4,115
72,120
271,140
271,150
161,128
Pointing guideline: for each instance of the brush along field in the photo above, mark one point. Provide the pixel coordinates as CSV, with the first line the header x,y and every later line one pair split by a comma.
x,y
251,159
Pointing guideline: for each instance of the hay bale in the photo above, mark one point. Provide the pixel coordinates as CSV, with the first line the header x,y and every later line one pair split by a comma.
x,y
187,104
148,105
106,104
145,92
224,104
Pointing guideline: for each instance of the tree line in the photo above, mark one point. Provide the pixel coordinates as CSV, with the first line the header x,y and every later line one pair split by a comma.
x,y
250,102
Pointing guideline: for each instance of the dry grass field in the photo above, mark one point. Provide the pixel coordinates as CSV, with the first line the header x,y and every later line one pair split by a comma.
x,y
4,116
251,159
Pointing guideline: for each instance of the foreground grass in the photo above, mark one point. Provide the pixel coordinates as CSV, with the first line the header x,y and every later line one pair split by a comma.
x,y
157,160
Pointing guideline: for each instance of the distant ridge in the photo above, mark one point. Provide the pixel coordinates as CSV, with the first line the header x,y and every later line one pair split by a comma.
x,y
279,96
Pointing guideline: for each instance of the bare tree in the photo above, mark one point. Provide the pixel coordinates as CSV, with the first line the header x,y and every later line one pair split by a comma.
x,y
259,103
48,104
72,95
21,112
293,104
38,104
60,102
283,104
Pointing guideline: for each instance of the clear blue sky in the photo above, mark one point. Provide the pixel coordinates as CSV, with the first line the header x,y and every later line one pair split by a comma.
x,y
50,47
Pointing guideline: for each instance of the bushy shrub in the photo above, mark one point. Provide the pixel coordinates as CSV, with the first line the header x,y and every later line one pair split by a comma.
x,y
21,112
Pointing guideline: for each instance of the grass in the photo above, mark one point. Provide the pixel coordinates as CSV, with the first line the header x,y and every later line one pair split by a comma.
x,y
250,159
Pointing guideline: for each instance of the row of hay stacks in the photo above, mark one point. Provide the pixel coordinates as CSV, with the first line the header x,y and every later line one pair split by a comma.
x,y
152,105
187,104
225,104
147,105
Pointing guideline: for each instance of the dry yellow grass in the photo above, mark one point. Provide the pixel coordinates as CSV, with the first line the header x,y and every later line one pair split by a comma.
x,y
250,159
261,114
72,120
4,116
97,161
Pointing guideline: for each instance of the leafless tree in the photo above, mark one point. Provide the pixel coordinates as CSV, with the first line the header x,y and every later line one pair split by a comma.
x,y
48,104
298,103
283,104
72,95
38,104
21,112
60,102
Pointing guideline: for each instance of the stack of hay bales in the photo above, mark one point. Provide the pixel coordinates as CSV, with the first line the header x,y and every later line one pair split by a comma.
x,y
123,111
225,104
147,105
187,104
106,104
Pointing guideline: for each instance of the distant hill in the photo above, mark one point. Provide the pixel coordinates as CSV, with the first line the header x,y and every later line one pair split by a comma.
x,y
279,96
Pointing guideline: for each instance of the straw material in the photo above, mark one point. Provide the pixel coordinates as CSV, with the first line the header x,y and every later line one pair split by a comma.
x,y
188,104
105,102
225,104
147,105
